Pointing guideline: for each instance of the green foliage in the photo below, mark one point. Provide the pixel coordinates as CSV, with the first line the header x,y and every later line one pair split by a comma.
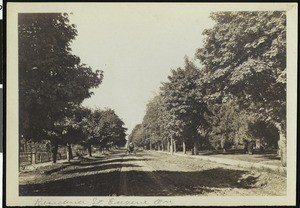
x,y
184,101
70,129
113,131
244,55
52,81
266,132
239,93
155,121
229,125
137,135
104,128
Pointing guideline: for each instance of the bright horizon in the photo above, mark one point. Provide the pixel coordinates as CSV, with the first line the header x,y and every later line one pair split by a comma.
x,y
136,46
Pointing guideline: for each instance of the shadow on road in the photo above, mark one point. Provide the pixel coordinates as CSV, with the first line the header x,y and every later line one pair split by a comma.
x,y
85,162
97,168
104,161
269,157
206,180
189,183
103,184
139,182
238,152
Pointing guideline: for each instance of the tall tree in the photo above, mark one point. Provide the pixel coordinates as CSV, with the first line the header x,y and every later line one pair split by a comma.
x,y
112,129
137,135
185,102
71,129
244,55
229,125
104,128
52,81
152,122
265,132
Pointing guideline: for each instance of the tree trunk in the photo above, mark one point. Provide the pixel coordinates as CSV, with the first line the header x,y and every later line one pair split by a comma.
x,y
195,147
90,150
69,152
150,145
282,147
175,149
223,146
172,146
282,144
25,146
258,144
168,146
245,146
54,148
33,155
283,150
163,146
183,147
250,148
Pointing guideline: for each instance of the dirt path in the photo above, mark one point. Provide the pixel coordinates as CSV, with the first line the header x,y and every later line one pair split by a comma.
x,y
164,175
140,179
148,174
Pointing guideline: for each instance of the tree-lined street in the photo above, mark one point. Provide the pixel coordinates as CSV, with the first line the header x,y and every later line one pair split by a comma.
x,y
118,174
235,99
228,100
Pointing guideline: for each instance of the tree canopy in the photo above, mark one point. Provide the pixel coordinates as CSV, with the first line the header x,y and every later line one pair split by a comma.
x,y
239,87
244,55
104,128
52,81
183,98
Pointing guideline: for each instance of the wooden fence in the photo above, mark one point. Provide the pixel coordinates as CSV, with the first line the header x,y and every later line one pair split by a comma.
x,y
31,158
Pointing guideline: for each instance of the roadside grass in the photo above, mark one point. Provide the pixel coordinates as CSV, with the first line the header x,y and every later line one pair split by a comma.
x,y
278,171
267,158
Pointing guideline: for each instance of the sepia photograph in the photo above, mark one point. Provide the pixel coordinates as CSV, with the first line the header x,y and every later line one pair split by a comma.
x,y
151,104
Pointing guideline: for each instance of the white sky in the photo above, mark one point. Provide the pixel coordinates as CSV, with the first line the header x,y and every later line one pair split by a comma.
x,y
135,46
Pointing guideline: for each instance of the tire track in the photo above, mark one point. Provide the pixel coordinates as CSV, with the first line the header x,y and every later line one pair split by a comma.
x,y
141,179
123,190
162,185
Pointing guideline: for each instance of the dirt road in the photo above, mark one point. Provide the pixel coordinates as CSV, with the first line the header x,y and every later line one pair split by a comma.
x,y
147,174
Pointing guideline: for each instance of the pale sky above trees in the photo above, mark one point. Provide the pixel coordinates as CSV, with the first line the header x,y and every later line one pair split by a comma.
x,y
136,46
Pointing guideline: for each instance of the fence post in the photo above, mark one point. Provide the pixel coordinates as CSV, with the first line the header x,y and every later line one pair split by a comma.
x,y
33,158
